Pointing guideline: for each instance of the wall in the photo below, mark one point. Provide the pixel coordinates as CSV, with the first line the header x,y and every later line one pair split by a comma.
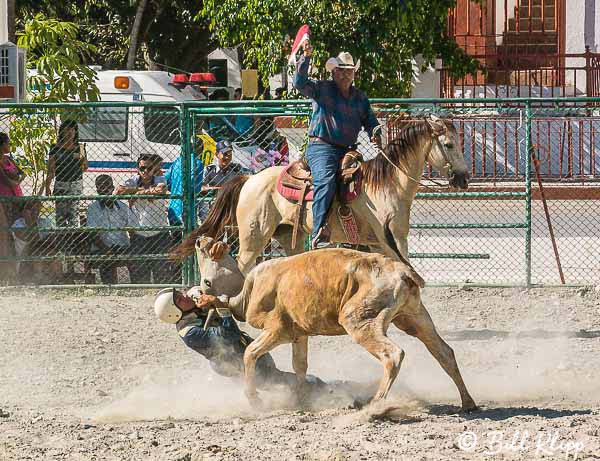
x,y
3,22
510,7
427,84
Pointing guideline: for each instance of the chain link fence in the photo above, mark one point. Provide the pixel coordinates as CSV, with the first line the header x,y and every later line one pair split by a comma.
x,y
110,188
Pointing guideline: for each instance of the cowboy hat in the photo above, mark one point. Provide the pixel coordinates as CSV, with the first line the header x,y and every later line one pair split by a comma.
x,y
344,60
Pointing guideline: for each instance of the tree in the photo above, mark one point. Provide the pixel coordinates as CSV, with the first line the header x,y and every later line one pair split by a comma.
x,y
168,33
10,20
386,35
135,34
56,54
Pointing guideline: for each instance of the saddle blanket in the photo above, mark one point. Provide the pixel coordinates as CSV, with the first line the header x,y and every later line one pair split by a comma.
x,y
351,192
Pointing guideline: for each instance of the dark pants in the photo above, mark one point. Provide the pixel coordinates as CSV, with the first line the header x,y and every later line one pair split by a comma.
x,y
143,271
324,161
108,268
224,347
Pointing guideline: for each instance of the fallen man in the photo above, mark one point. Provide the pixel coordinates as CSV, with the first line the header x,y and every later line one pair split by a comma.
x,y
219,340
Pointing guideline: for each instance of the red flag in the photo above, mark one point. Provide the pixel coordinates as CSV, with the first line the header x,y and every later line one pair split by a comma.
x,y
302,35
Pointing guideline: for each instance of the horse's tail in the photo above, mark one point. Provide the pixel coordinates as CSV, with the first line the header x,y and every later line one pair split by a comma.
x,y
389,238
221,214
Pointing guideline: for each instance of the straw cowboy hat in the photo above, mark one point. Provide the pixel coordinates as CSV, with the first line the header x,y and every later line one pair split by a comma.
x,y
344,60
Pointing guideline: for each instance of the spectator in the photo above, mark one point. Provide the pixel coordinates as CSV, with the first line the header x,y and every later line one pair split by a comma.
x,y
216,175
30,241
66,163
220,127
10,180
157,161
111,213
243,123
149,213
237,94
174,177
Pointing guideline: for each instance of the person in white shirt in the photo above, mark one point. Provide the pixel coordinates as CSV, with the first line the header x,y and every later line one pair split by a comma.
x,y
108,212
29,242
149,213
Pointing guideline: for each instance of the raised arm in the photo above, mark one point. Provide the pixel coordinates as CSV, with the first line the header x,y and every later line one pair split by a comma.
x,y
305,85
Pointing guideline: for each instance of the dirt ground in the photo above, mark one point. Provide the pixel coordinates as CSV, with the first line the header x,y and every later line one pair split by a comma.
x,y
91,375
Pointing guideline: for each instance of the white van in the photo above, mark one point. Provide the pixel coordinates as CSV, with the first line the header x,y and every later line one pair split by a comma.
x,y
116,136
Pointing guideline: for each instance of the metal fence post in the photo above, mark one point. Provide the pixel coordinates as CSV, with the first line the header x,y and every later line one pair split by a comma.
x,y
529,147
188,189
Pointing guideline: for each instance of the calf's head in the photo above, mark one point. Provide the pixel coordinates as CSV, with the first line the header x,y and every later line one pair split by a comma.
x,y
219,273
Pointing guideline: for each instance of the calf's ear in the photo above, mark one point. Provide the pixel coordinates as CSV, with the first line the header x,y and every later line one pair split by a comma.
x,y
217,250
204,244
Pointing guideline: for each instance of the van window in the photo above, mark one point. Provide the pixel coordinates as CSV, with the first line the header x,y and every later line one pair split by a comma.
x,y
104,124
161,124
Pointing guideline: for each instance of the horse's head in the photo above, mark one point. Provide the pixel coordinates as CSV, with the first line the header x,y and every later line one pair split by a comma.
x,y
444,155
218,270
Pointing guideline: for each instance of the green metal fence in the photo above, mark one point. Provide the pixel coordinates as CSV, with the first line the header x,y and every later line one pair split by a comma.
x,y
500,232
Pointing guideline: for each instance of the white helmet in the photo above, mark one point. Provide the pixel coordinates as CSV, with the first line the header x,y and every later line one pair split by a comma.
x,y
165,307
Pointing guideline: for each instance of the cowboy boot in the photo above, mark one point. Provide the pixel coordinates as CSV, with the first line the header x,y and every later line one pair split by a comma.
x,y
322,240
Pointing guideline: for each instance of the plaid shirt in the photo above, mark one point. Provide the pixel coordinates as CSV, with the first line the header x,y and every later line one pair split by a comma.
x,y
335,119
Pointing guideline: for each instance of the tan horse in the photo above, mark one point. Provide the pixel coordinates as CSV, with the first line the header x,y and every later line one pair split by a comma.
x,y
382,211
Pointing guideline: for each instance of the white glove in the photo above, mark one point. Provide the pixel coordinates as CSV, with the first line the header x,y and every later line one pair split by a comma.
x,y
224,312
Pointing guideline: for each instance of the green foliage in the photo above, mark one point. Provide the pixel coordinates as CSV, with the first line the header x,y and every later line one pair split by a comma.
x,y
56,53
385,35
169,34
33,133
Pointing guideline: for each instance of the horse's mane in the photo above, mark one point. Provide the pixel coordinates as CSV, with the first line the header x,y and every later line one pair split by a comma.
x,y
377,172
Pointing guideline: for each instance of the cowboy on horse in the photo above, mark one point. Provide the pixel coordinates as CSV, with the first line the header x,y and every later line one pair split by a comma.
x,y
340,111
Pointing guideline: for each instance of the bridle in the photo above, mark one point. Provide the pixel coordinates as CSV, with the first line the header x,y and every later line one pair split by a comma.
x,y
435,136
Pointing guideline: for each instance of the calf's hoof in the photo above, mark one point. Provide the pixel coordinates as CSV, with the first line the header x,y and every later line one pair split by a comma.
x,y
254,400
469,406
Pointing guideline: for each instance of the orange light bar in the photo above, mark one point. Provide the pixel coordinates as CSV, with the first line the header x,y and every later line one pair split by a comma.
x,y
121,82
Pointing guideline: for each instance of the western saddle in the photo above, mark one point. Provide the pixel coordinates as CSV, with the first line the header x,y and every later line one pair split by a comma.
x,y
295,184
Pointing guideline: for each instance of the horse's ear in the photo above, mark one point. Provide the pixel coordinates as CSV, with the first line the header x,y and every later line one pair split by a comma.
x,y
435,122
217,250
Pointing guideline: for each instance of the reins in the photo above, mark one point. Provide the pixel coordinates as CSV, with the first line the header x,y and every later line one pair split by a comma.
x,y
435,138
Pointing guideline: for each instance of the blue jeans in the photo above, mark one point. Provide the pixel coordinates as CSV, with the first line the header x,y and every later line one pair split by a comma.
x,y
324,162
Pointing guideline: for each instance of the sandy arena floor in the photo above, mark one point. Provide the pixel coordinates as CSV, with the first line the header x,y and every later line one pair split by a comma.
x,y
93,376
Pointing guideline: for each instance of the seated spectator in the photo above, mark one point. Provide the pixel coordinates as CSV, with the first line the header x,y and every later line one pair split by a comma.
x,y
111,213
216,175
149,213
33,242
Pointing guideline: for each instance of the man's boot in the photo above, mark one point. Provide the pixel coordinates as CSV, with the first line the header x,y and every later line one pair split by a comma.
x,y
322,240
